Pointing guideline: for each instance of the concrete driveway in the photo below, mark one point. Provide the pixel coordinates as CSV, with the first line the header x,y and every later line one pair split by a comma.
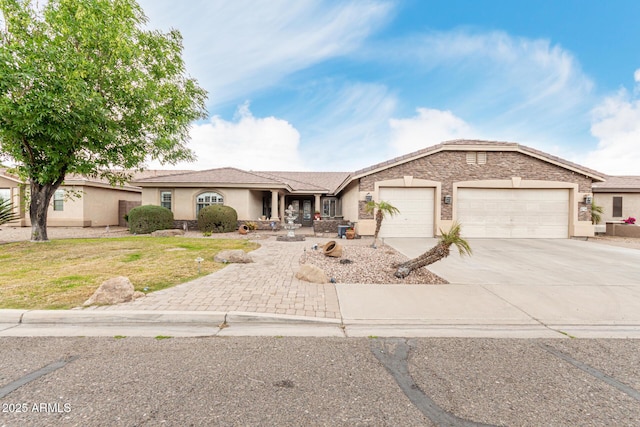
x,y
571,287
532,262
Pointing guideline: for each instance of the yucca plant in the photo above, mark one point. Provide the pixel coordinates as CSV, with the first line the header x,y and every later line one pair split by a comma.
x,y
382,209
6,211
440,251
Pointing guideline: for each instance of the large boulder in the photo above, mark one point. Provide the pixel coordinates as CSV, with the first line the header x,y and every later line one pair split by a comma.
x,y
311,273
237,256
114,291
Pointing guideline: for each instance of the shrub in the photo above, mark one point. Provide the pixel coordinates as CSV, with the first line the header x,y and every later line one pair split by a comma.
x,y
149,218
217,219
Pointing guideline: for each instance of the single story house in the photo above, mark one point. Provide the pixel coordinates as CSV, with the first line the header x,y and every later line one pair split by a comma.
x,y
79,202
494,189
619,197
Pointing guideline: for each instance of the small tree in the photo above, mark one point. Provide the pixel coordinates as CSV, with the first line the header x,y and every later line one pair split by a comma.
x,y
85,89
440,251
382,210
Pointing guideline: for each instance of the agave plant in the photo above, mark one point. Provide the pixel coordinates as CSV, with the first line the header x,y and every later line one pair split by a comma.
x,y
6,211
440,251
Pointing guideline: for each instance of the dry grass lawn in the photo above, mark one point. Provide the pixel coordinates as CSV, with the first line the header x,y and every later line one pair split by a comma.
x,y
62,274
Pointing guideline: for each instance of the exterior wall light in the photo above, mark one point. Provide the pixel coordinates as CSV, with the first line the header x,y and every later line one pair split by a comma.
x,y
588,200
368,197
447,199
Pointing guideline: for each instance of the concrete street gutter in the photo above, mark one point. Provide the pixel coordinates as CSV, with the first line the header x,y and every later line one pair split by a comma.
x,y
147,323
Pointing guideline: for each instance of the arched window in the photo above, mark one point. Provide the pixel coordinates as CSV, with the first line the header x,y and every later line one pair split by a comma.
x,y
208,199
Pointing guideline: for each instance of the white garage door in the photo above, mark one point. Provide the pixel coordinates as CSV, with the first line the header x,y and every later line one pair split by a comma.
x,y
416,212
513,213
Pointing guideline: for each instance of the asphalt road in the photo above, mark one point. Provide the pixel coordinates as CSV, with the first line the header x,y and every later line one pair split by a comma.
x,y
268,381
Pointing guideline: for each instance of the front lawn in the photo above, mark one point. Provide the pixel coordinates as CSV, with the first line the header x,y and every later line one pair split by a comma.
x,y
62,274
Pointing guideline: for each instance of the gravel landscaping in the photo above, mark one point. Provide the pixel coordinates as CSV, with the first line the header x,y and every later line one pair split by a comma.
x,y
368,265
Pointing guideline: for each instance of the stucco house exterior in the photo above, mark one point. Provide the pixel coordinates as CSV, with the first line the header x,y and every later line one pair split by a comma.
x,y
495,189
79,202
619,197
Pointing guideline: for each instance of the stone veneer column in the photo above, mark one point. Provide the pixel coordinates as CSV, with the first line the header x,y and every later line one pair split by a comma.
x,y
317,206
274,205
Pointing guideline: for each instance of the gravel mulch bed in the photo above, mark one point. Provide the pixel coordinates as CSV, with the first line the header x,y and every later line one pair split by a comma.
x,y
368,265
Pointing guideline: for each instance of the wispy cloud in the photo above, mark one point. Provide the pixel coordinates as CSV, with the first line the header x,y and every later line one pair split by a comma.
x,y
250,45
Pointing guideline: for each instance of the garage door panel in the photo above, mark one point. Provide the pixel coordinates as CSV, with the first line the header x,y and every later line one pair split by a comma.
x,y
513,213
416,212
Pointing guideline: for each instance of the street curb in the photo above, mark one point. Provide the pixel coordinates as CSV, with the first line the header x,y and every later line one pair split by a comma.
x,y
113,317
251,317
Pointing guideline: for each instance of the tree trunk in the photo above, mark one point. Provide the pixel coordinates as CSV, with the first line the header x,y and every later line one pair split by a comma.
x,y
434,254
379,216
41,195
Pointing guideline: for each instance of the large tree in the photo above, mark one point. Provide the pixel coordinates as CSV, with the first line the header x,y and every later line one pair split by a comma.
x,y
85,88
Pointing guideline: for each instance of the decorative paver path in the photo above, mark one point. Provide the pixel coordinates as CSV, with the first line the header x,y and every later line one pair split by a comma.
x,y
268,285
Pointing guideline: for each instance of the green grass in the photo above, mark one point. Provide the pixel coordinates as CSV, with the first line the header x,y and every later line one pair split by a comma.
x,y
62,274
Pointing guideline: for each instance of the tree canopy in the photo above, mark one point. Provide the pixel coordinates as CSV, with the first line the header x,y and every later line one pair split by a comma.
x,y
85,88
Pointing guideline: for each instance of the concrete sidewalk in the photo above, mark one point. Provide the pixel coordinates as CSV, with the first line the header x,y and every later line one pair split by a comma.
x,y
264,298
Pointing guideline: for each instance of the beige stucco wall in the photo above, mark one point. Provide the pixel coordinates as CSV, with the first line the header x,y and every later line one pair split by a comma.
x,y
254,207
349,202
184,201
101,204
630,205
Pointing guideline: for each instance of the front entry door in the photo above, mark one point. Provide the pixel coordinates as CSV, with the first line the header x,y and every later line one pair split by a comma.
x,y
303,209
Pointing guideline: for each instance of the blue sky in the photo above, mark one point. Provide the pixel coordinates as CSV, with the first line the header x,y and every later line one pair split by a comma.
x,y
339,85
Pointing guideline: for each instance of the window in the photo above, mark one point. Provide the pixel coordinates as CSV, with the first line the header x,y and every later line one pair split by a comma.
x,y
330,207
617,206
165,199
58,200
5,194
208,199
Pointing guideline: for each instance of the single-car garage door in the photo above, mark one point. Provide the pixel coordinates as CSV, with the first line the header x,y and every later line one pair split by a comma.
x,y
416,212
513,213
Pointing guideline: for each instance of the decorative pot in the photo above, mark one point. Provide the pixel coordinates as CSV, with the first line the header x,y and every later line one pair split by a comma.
x,y
351,234
243,229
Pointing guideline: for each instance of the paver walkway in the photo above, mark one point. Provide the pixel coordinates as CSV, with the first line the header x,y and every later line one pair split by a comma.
x,y
268,285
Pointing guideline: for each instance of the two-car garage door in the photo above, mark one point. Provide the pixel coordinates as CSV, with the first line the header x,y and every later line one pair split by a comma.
x,y
513,213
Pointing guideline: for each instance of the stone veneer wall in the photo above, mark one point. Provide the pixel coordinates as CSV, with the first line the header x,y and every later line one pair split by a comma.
x,y
328,225
448,167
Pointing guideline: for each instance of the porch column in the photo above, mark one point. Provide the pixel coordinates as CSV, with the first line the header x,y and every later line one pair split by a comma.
x,y
274,205
282,207
317,206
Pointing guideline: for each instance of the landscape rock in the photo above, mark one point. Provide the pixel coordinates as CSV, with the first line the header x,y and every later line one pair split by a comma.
x,y
112,291
168,233
311,273
237,256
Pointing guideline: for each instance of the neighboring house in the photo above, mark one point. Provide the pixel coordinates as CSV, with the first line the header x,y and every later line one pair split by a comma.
x,y
495,189
79,202
254,195
619,197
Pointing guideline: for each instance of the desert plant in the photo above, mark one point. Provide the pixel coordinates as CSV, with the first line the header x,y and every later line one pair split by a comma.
x,y
149,218
440,251
251,225
596,213
217,219
6,211
382,210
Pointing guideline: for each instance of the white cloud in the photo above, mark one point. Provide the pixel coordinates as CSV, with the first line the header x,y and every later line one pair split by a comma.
x,y
235,47
247,142
636,75
428,128
616,124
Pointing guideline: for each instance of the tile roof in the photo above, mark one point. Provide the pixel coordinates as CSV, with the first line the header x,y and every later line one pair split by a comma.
x,y
468,142
217,176
618,183
327,182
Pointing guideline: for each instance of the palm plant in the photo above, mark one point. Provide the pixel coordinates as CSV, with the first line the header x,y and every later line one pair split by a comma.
x,y
6,211
382,209
440,251
596,213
